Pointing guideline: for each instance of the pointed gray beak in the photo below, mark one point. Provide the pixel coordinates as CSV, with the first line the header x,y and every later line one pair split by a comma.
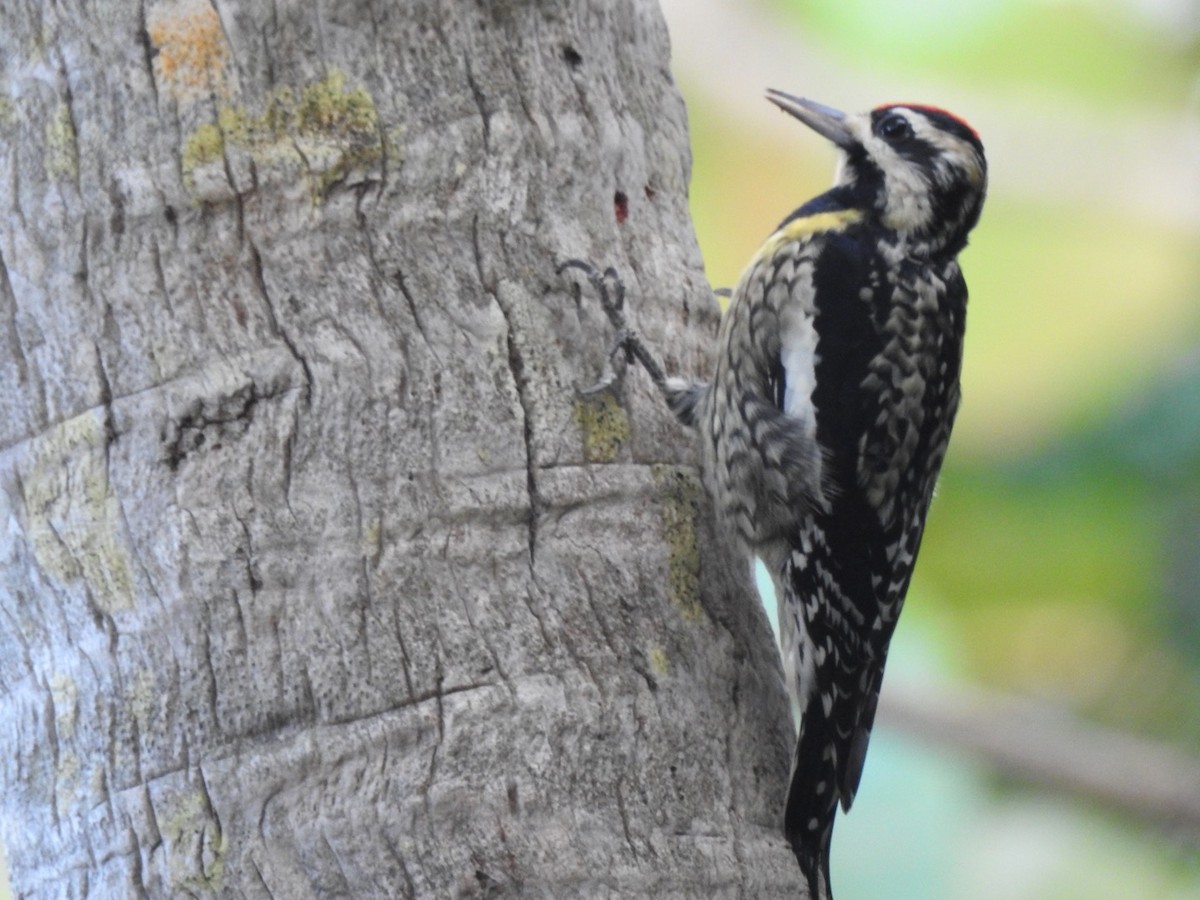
x,y
824,120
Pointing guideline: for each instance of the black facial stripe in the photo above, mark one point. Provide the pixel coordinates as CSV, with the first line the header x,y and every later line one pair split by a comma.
x,y
949,124
910,147
960,207
921,152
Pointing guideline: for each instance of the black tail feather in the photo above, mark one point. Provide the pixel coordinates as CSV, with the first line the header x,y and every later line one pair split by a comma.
x,y
815,869
812,801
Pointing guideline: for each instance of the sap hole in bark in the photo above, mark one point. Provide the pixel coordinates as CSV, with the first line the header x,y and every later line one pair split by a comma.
x,y
621,207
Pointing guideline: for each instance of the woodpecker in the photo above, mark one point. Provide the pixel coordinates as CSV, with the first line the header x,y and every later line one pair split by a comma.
x,y
826,421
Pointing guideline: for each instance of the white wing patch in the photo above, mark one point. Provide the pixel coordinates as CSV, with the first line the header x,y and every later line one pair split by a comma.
x,y
798,351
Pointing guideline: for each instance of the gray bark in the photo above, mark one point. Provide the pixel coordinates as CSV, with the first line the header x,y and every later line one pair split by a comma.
x,y
319,578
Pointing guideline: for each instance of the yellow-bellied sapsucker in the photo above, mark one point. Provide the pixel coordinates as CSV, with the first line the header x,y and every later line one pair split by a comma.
x,y
827,419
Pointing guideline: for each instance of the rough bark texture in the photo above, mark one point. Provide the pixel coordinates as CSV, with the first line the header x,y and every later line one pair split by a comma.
x,y
318,577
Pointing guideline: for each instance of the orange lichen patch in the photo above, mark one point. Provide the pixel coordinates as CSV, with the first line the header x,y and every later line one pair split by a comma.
x,y
192,57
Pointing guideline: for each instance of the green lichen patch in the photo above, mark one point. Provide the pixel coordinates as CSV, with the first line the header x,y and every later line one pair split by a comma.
x,y
205,145
605,427
327,107
326,129
679,502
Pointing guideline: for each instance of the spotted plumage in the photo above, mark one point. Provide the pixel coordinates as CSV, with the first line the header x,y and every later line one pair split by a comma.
x,y
828,416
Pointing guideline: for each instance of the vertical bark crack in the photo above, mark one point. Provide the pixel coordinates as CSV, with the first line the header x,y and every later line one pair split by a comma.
x,y
260,282
521,381
481,103
14,335
517,364
398,278
148,51
431,778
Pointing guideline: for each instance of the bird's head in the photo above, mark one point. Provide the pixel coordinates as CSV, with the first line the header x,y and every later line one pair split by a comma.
x,y
917,170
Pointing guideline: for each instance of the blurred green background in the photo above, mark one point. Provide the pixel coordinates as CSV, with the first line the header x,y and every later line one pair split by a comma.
x,y
1062,554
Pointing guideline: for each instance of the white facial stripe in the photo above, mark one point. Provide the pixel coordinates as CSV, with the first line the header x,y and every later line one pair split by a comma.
x,y
906,187
843,175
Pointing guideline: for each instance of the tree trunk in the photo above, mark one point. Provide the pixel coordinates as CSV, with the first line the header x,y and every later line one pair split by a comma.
x,y
320,579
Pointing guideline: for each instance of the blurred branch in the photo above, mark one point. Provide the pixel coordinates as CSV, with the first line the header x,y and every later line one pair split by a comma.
x,y
1049,747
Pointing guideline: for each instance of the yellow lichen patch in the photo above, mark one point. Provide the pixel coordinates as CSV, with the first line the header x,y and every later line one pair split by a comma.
x,y
73,520
679,502
66,778
62,155
186,822
65,695
325,129
192,56
659,663
142,700
372,539
605,427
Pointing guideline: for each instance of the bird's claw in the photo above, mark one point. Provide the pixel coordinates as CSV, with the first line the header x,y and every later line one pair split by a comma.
x,y
616,361
608,380
612,301
626,346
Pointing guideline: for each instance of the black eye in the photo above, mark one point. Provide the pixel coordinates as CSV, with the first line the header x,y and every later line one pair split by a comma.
x,y
894,127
